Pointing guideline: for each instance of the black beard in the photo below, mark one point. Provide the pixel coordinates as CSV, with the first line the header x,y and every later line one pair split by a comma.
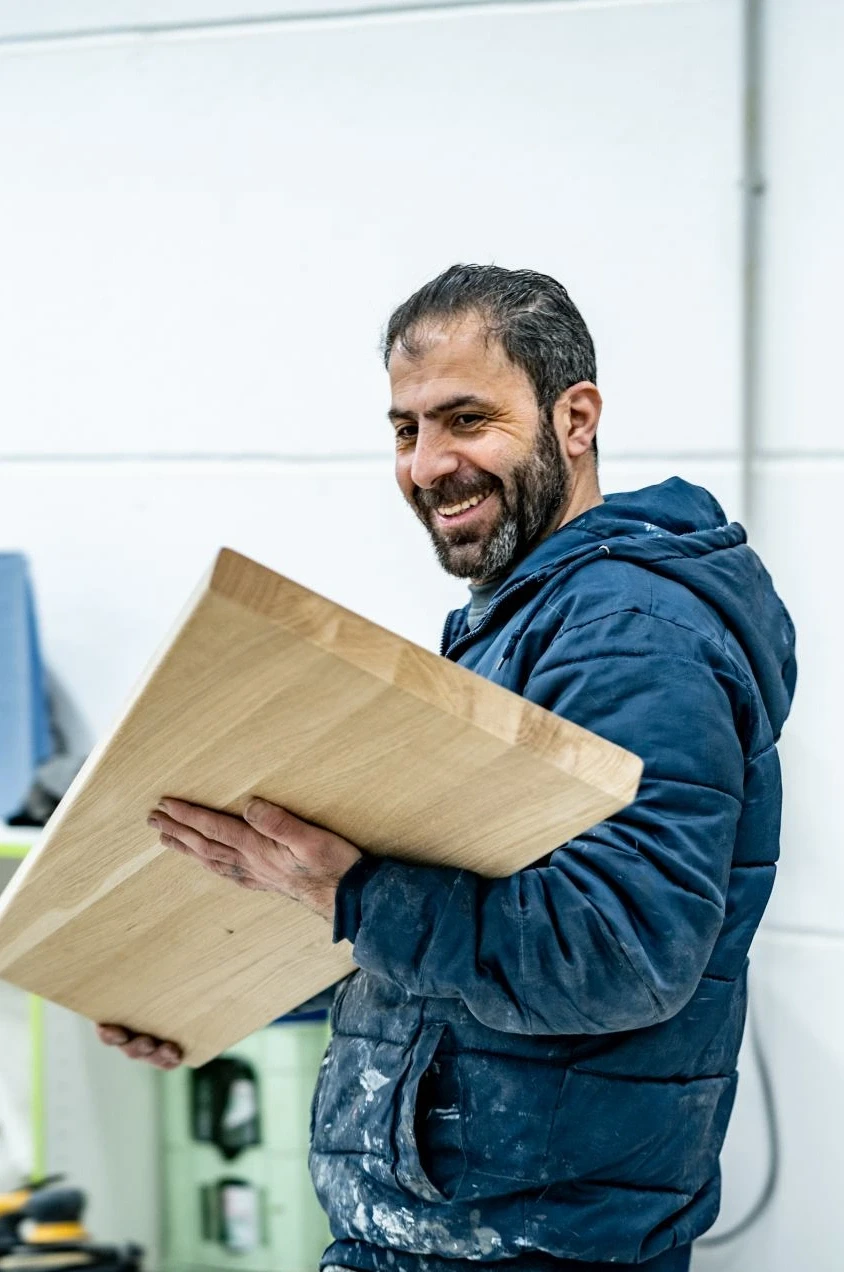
x,y
532,501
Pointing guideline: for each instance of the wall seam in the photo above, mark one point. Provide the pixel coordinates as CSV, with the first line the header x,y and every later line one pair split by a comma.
x,y
304,458
754,193
245,24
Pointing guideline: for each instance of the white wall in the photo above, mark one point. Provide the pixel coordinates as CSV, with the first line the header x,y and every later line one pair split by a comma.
x,y
202,232
205,231
798,479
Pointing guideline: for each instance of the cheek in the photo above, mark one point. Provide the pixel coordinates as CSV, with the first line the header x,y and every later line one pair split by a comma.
x,y
500,443
494,456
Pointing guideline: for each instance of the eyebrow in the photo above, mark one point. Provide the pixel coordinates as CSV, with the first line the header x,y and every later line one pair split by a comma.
x,y
451,404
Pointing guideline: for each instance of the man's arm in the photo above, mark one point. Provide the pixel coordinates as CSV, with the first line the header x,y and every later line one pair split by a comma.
x,y
615,929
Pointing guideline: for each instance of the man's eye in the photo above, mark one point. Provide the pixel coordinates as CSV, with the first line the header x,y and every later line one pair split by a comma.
x,y
407,432
468,421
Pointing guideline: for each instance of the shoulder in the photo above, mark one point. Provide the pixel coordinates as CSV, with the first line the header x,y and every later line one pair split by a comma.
x,y
639,624
613,603
640,660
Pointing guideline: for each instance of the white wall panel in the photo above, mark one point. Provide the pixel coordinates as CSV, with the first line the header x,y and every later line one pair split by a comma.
x,y
20,18
798,508
803,260
201,236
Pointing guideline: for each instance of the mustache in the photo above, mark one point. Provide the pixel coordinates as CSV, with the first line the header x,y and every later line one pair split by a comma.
x,y
450,492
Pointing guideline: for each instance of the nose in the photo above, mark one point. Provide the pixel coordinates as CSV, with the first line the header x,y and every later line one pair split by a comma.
x,y
434,457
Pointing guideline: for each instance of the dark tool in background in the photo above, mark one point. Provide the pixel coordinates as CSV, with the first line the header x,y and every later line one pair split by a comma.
x,y
41,1228
225,1105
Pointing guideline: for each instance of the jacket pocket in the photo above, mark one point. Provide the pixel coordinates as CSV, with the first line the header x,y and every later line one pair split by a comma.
x,y
508,1109
431,1163
355,1101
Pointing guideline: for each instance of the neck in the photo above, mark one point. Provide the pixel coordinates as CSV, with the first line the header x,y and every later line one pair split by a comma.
x,y
585,494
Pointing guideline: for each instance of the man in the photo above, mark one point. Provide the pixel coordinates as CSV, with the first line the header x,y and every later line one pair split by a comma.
x,y
536,1073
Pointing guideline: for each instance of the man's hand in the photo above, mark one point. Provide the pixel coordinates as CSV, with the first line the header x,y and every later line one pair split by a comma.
x,y
164,1055
268,850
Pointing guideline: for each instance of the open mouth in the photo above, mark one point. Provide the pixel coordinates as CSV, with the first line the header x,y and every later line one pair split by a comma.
x,y
458,513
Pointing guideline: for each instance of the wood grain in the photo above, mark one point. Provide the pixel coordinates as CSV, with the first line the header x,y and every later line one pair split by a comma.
x,y
269,689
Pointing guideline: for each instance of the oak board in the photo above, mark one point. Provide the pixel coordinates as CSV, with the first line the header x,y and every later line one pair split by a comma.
x,y
268,689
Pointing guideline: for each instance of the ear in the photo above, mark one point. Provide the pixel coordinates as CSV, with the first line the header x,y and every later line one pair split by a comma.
x,y
576,416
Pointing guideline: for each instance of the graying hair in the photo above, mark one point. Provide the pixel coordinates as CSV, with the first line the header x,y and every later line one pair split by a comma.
x,y
532,315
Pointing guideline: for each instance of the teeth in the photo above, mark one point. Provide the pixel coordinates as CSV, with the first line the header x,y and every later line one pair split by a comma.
x,y
462,507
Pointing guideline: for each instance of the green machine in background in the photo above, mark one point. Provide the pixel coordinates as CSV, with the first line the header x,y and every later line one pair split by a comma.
x,y
236,1188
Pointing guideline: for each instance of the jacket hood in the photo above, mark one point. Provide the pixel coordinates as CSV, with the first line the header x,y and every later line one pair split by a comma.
x,y
679,531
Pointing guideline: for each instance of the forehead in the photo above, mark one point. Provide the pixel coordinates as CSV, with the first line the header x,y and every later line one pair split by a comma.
x,y
452,359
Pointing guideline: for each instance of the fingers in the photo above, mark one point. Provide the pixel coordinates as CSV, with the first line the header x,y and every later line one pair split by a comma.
x,y
218,828
226,868
194,840
137,1046
268,850
113,1035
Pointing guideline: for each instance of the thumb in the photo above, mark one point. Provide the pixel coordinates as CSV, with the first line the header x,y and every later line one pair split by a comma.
x,y
278,824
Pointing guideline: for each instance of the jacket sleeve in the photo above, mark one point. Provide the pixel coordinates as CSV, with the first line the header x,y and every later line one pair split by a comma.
x,y
615,928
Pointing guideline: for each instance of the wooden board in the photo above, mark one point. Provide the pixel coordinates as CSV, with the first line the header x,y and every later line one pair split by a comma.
x,y
268,689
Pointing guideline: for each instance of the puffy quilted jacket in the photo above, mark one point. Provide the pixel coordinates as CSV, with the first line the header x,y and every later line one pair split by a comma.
x,y
546,1063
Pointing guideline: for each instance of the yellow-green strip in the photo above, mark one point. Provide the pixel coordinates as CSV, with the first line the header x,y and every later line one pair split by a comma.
x,y
39,1128
14,850
36,1042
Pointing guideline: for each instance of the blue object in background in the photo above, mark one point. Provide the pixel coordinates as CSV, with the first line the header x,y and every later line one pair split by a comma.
x,y
25,738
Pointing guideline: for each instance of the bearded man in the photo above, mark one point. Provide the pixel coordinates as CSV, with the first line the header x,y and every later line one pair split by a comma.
x,y
535,1074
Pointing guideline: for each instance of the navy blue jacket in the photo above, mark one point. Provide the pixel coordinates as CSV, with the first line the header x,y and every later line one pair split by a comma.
x,y
546,1063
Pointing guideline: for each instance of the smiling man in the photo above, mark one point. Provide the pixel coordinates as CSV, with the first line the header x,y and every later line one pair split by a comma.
x,y
535,1074
487,488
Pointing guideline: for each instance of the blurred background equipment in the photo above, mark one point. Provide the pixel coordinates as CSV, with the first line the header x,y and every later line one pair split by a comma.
x,y
13,1203
237,1192
41,1229
37,759
224,1105
25,741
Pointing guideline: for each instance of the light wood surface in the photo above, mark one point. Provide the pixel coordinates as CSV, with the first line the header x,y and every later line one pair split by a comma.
x,y
268,689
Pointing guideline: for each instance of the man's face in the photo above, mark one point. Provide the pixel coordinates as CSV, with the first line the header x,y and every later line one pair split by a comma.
x,y
469,431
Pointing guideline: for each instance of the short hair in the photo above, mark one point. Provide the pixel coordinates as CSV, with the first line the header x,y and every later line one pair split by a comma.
x,y
531,314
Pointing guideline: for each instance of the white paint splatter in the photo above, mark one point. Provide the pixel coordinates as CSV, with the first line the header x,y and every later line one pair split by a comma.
x,y
445,1115
361,1221
420,1235
488,1239
372,1080
397,1225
